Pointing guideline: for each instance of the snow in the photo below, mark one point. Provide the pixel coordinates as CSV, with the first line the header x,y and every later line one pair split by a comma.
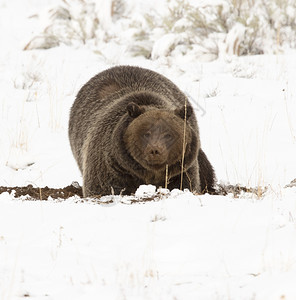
x,y
181,246
162,46
205,248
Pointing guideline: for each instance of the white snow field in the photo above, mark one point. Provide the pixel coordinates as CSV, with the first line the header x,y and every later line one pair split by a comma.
x,y
183,246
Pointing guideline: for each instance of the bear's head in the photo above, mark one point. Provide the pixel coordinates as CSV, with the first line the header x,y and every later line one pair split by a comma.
x,y
155,137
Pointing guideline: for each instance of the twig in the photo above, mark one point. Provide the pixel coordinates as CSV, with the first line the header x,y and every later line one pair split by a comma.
x,y
184,145
166,176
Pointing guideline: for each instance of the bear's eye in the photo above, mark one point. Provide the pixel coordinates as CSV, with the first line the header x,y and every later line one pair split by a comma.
x,y
168,136
147,135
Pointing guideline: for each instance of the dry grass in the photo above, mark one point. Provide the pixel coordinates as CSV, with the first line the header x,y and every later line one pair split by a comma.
x,y
206,26
184,145
166,176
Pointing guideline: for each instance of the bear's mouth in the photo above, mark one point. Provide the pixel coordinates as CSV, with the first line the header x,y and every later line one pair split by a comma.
x,y
156,163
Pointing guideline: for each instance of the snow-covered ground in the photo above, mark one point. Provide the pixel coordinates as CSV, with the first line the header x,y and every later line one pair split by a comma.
x,y
181,247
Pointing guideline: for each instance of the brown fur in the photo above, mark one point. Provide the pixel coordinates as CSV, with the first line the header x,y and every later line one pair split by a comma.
x,y
126,125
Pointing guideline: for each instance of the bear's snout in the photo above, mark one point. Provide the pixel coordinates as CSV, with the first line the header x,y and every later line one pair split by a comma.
x,y
156,154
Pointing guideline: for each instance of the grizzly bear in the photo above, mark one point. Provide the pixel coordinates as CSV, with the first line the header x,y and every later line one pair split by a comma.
x,y
130,126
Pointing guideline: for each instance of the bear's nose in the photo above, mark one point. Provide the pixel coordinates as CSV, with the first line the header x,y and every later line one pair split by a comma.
x,y
155,152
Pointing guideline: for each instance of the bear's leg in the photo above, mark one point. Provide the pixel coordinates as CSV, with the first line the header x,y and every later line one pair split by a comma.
x,y
190,180
90,186
206,173
117,184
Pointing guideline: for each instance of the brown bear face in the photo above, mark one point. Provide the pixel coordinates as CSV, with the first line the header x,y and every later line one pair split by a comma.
x,y
155,138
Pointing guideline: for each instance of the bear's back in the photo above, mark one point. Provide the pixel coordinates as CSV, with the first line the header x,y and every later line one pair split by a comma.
x,y
122,80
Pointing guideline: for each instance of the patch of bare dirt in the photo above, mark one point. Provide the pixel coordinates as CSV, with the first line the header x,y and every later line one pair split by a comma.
x,y
236,190
43,193
291,184
36,193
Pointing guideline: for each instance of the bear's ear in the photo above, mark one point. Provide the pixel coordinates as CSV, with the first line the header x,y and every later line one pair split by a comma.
x,y
134,110
181,112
